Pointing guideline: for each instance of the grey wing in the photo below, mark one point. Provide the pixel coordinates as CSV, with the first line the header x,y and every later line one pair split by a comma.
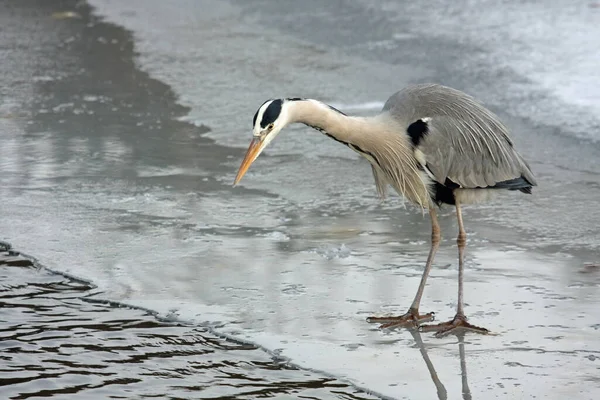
x,y
472,152
462,141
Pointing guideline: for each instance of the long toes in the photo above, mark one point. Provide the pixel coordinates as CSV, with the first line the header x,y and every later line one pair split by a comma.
x,y
477,329
426,317
435,327
461,329
408,323
381,320
402,320
453,327
406,320
448,331
390,322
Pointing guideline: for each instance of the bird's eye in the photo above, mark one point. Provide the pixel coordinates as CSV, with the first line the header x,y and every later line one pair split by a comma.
x,y
270,127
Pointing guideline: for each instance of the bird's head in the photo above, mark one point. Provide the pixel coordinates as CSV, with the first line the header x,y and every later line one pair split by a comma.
x,y
269,120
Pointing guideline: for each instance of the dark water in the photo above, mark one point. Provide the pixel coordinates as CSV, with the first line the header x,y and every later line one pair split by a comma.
x,y
57,340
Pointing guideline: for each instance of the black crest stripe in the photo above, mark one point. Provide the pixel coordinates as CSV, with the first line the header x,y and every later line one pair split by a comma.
x,y
271,113
256,114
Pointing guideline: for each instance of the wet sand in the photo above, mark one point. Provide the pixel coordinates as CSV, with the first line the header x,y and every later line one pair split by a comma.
x,y
107,176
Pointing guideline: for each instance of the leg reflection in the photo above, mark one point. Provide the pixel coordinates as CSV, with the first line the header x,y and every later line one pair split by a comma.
x,y
466,392
441,389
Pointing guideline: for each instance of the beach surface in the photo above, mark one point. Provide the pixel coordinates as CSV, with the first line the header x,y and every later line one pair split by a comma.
x,y
122,126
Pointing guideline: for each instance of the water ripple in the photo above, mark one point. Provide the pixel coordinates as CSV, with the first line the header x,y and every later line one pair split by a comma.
x,y
56,341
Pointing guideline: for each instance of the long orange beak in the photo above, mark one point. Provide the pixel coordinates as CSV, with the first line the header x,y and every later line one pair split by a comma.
x,y
251,155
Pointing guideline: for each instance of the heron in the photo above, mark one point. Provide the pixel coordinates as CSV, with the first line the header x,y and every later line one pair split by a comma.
x,y
434,145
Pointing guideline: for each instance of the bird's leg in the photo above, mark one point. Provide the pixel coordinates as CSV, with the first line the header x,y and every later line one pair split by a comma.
x,y
412,316
460,320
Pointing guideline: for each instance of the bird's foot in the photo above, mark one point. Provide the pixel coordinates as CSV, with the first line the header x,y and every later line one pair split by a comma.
x,y
411,319
457,324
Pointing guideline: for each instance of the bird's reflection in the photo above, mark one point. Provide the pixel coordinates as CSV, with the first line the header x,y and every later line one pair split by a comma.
x,y
466,392
441,389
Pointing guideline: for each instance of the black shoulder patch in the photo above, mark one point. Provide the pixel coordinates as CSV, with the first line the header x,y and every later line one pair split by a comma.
x,y
417,130
271,113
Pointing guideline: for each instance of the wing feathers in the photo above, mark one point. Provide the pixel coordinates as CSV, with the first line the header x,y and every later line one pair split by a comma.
x,y
465,142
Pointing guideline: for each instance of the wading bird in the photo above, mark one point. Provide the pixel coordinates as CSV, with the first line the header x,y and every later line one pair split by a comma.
x,y
433,144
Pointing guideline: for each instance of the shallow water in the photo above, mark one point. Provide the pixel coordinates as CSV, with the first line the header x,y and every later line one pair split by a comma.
x,y
120,147
58,341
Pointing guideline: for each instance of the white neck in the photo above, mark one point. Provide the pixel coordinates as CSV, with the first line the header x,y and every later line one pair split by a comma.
x,y
326,119
380,139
